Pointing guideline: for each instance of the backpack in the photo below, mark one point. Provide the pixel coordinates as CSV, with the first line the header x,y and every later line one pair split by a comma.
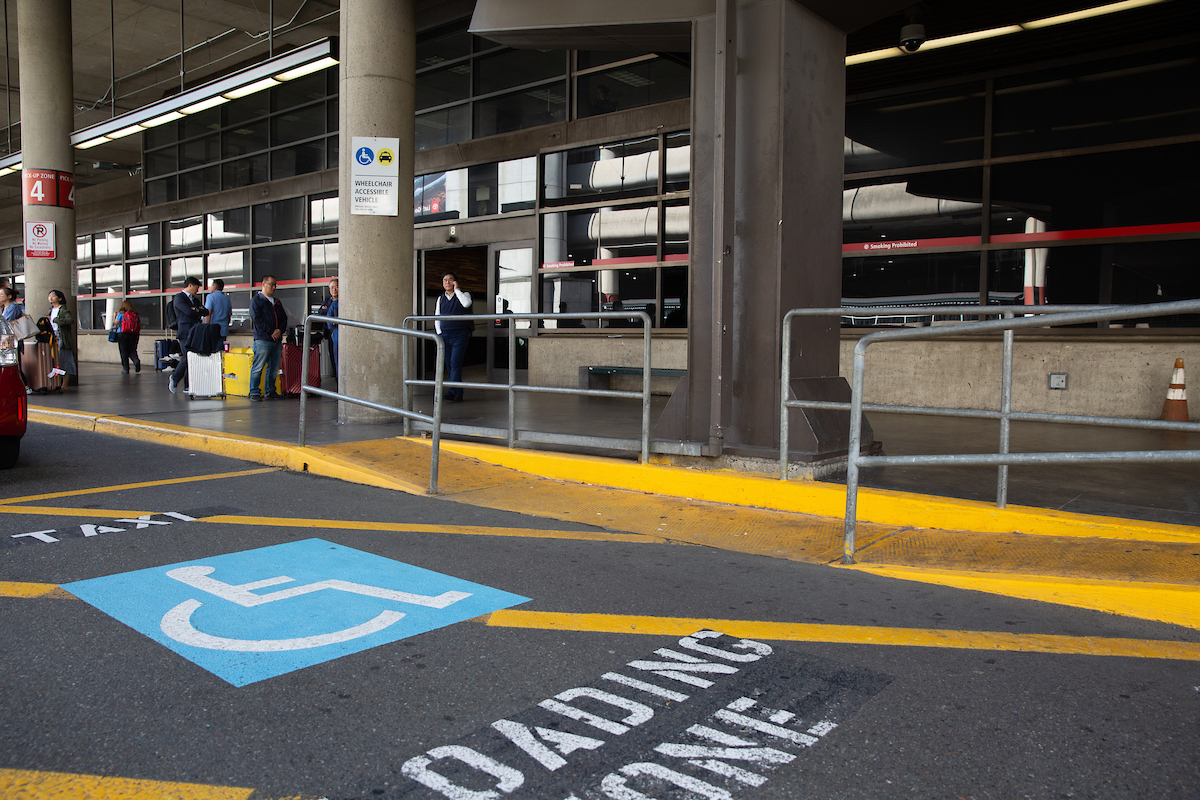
x,y
172,322
131,322
45,330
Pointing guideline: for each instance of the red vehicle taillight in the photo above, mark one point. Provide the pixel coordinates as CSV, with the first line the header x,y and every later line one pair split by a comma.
x,y
22,408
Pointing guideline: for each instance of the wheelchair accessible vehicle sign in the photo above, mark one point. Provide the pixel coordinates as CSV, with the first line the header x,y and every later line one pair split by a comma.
x,y
261,613
375,176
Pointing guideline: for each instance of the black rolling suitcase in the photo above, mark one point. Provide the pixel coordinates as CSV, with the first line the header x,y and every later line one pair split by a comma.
x,y
163,349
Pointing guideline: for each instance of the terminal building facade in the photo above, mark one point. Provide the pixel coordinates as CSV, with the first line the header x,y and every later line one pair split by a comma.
x,y
1024,153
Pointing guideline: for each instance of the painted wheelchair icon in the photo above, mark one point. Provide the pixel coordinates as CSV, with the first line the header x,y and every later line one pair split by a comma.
x,y
256,614
177,623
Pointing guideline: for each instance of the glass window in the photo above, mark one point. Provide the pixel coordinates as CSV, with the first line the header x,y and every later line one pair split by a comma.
x,y
140,243
160,135
200,151
634,85
84,313
298,91
248,138
244,171
303,123
180,269
621,169
674,297
916,278
676,229
442,195
527,108
110,280
280,220
629,290
298,160
677,177
323,214
285,262
201,123
917,128
230,227
200,181
570,293
323,260
229,267
586,59
604,234
107,246
164,190
511,68
441,86
443,44
930,206
247,108
1100,102
239,319
514,293
83,249
149,309
482,190
517,184
437,128
84,276
160,162
144,277
331,152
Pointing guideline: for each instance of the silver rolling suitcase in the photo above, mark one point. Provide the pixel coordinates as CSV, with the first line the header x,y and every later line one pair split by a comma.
x,y
205,378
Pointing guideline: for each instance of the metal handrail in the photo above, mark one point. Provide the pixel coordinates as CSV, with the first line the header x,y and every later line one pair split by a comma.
x,y
512,388
405,335
1049,315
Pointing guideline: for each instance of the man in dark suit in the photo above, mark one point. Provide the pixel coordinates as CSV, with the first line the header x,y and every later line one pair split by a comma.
x,y
188,312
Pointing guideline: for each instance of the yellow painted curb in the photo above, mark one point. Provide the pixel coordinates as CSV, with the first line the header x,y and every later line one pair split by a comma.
x,y
826,500
20,784
31,590
1161,602
246,448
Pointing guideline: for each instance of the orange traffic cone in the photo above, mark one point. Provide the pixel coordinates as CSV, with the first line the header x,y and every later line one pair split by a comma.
x,y
1175,408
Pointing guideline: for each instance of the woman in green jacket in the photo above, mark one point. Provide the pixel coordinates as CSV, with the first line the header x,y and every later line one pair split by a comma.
x,y
63,322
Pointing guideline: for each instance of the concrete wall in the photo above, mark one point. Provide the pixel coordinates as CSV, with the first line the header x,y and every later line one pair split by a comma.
x,y
555,360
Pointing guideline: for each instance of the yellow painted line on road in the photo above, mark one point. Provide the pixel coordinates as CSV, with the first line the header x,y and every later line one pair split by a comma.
x,y
1178,604
21,784
58,511
143,485
848,634
407,527
28,590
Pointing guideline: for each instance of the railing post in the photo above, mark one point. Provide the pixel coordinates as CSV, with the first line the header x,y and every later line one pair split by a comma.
x,y
406,392
1005,410
303,383
645,386
512,382
437,417
855,444
785,375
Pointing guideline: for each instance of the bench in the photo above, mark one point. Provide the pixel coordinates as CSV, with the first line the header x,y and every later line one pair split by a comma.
x,y
601,377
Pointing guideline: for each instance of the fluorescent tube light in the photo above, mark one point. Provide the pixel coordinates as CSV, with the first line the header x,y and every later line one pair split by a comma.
x,y
204,104
121,134
306,69
1088,13
91,143
257,86
164,119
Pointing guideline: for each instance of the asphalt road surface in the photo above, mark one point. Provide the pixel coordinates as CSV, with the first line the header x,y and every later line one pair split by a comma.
x,y
234,626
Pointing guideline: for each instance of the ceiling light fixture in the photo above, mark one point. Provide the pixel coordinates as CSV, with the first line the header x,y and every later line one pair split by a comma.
x,y
975,36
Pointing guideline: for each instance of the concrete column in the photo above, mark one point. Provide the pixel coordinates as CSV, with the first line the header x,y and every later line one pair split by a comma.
x,y
377,84
47,118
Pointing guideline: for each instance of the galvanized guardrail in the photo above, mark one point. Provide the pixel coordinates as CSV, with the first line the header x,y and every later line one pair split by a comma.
x,y
405,334
512,388
1036,317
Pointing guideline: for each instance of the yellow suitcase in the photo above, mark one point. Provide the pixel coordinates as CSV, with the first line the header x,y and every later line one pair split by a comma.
x,y
237,372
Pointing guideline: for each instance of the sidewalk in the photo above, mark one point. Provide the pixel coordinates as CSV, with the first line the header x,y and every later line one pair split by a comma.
x,y
1148,567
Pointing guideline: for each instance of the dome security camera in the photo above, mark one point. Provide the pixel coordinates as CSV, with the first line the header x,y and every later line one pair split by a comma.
x,y
912,36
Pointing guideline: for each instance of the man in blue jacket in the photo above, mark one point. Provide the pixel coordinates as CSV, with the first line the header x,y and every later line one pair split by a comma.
x,y
269,321
188,312
219,305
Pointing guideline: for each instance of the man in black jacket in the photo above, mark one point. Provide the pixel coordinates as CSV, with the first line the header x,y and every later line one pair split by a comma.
x,y
269,321
188,312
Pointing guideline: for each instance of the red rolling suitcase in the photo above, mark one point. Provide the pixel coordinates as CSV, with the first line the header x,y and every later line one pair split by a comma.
x,y
292,365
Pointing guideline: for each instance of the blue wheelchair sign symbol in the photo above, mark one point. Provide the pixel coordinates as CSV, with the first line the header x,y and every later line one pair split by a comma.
x,y
331,601
364,156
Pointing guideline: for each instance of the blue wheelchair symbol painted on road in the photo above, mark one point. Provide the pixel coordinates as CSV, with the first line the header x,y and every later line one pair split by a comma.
x,y
331,601
364,156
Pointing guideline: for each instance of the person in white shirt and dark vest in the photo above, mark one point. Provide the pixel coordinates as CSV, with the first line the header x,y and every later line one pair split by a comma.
x,y
455,333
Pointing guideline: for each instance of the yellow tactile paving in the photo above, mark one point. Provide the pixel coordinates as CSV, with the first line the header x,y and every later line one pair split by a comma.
x,y
19,784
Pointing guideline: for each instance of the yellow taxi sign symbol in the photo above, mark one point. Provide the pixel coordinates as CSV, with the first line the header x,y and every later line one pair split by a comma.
x,y
386,156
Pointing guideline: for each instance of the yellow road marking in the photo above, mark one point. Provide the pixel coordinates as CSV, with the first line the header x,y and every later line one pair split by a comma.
x,y
19,784
406,527
55,511
849,634
48,590
1164,602
143,485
